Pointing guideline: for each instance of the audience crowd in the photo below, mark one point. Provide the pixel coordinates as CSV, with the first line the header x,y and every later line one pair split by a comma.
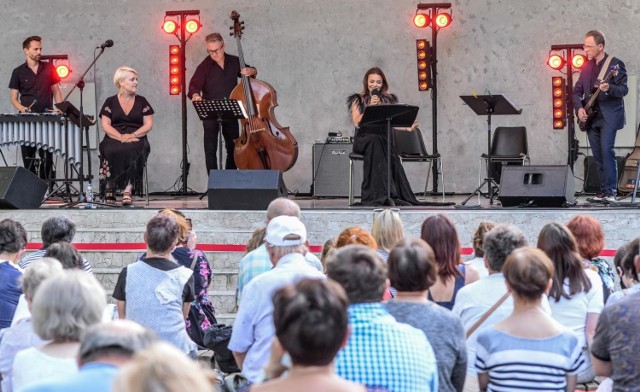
x,y
386,310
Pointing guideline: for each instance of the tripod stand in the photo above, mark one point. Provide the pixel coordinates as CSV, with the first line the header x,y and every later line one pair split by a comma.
x,y
488,105
394,115
221,109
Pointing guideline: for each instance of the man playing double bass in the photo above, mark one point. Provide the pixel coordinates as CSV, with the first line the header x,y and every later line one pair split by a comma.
x,y
215,78
609,117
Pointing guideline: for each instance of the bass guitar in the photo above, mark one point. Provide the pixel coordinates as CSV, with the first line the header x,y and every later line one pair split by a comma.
x,y
589,102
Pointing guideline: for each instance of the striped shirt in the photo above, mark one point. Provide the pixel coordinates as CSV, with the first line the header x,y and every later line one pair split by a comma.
x,y
520,364
38,254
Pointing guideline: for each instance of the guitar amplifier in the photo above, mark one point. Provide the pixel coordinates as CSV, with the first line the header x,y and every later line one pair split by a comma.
x,y
592,179
331,170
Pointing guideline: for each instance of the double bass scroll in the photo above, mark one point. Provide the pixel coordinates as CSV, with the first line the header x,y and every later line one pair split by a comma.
x,y
263,142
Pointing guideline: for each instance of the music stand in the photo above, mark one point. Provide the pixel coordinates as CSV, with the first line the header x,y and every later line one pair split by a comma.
x,y
488,105
394,115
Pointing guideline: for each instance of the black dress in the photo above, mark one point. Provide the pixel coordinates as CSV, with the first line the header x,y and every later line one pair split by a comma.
x,y
371,142
123,163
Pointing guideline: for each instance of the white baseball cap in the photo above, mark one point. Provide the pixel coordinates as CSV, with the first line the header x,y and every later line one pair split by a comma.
x,y
286,231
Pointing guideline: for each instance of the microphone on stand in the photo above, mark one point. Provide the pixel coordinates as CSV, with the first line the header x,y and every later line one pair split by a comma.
x,y
107,44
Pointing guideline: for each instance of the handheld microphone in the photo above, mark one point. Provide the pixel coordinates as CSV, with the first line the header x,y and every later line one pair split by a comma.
x,y
375,91
107,44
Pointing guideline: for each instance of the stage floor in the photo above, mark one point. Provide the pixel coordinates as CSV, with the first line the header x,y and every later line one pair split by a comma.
x,y
194,202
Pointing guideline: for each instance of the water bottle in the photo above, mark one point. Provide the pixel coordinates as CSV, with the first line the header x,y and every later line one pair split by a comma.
x,y
89,196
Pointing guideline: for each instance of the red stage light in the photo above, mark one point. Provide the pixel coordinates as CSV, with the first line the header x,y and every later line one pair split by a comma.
x,y
424,70
559,93
422,54
556,62
557,82
170,26
175,80
558,124
423,86
422,65
192,26
174,90
174,70
578,60
63,71
174,49
421,20
557,103
558,113
421,44
443,20
175,66
422,76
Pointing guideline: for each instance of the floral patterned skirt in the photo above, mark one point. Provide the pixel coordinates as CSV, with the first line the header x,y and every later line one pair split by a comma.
x,y
121,164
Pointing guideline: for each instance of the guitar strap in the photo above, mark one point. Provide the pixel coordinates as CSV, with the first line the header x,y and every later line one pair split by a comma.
x,y
605,67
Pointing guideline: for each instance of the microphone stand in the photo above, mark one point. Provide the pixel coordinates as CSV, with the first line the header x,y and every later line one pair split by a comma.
x,y
80,85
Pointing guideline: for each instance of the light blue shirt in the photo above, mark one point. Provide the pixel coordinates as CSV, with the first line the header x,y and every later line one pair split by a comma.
x,y
253,329
257,262
94,377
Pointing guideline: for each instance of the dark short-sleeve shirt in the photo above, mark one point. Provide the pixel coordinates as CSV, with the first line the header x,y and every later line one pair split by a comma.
x,y
617,341
188,294
33,86
213,82
126,122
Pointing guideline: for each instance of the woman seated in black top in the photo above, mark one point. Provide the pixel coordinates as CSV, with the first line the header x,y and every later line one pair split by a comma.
x,y
371,142
126,118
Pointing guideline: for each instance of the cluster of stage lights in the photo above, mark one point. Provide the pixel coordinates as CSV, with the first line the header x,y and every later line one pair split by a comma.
x,y
559,97
423,58
171,26
423,20
557,62
428,15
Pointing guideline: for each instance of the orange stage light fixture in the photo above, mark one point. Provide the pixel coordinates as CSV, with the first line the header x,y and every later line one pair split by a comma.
x,y
578,61
443,20
192,26
421,20
556,62
170,26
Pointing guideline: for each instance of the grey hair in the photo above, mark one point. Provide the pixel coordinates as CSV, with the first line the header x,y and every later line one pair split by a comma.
x,y
118,337
280,251
38,272
66,305
283,207
56,229
499,242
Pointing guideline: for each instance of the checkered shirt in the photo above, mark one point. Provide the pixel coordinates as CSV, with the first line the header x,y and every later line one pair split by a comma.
x,y
385,355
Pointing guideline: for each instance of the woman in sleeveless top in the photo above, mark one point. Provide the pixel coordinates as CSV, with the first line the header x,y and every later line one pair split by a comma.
x,y
440,233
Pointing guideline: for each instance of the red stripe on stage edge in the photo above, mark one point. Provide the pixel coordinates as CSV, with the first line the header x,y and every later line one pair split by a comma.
x,y
141,246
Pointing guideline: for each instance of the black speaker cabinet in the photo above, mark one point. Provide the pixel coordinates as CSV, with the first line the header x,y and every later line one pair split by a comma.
x,y
537,186
592,178
331,170
244,189
19,188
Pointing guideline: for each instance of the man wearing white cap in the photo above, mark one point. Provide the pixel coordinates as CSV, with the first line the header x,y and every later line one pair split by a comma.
x,y
253,328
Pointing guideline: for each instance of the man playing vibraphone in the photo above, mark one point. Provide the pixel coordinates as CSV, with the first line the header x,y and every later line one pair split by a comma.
x,y
34,86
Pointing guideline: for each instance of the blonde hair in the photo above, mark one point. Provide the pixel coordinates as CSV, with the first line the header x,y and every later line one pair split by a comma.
x,y
162,368
120,74
184,228
387,229
66,305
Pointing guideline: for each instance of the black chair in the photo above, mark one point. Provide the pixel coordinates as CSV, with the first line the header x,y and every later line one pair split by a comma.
x,y
509,146
410,148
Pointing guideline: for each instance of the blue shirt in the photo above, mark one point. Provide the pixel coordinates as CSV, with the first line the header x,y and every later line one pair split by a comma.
x,y
257,262
94,377
10,292
253,329
386,355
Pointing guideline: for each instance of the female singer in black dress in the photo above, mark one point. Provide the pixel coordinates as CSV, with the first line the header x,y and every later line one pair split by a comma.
x,y
371,142
126,118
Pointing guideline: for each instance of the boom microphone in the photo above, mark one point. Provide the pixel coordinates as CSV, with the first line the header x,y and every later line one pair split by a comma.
x,y
107,44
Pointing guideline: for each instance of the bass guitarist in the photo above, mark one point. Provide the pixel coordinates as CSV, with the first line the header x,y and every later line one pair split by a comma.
x,y
603,120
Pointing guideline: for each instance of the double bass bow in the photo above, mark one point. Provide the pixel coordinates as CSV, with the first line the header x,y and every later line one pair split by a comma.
x,y
263,142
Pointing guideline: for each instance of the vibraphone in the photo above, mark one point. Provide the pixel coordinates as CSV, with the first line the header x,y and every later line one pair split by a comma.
x,y
49,131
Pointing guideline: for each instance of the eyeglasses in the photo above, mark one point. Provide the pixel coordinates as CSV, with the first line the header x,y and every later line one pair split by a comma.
x,y
587,47
216,51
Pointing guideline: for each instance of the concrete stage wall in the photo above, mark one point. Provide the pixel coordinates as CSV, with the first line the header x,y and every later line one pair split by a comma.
x,y
111,239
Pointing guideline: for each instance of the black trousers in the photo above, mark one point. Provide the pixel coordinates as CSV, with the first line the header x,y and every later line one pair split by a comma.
x,y
38,161
230,132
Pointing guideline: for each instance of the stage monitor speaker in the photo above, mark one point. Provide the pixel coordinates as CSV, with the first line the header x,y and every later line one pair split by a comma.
x,y
537,186
19,188
331,170
244,189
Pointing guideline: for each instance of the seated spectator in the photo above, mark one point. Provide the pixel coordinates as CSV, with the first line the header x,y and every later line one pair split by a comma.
x,y
65,253
162,368
590,240
478,254
257,261
615,346
626,268
63,308
576,293
440,233
54,229
311,326
528,350
412,270
13,240
156,291
253,329
355,235
387,230
328,250
21,335
476,300
257,239
382,354
104,348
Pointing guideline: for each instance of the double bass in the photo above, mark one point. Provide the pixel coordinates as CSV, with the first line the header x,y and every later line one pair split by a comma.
x,y
263,142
